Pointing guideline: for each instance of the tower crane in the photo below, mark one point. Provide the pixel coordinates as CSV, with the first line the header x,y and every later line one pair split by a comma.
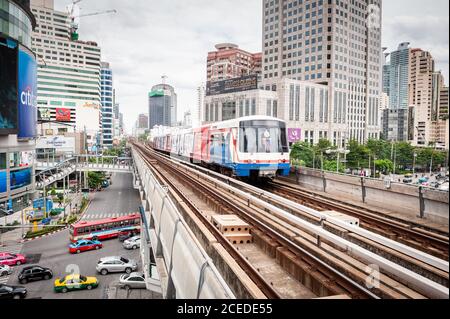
x,y
74,14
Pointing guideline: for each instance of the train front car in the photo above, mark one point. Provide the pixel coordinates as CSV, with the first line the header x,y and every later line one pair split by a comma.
x,y
262,148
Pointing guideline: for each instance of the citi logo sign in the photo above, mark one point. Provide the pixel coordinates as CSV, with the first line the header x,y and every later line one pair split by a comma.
x,y
27,97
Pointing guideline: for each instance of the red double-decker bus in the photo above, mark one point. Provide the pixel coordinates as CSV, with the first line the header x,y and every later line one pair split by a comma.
x,y
105,228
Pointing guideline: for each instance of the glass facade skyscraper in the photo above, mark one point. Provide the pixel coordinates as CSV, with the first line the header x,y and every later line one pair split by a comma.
x,y
107,96
162,106
398,77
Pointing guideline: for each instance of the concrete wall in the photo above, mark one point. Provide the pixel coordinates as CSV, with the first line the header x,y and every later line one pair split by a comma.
x,y
399,198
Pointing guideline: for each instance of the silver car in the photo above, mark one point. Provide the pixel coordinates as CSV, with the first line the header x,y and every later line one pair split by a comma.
x,y
132,243
133,281
5,270
116,264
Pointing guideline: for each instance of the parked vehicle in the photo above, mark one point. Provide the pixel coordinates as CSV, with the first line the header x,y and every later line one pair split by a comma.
x,y
132,243
407,180
84,245
75,282
133,281
12,259
125,236
5,270
423,180
12,292
116,264
34,273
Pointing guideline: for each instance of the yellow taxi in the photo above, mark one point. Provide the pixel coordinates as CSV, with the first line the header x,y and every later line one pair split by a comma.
x,y
75,282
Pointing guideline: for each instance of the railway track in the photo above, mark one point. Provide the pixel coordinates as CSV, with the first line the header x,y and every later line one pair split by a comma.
x,y
338,273
428,240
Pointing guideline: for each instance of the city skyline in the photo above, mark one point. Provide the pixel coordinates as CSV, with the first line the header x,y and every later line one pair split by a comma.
x,y
186,69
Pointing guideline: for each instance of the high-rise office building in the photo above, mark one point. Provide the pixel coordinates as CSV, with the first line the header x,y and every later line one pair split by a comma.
x,y
420,85
415,91
229,61
197,114
162,106
398,72
68,75
107,93
17,115
141,125
396,118
439,113
337,43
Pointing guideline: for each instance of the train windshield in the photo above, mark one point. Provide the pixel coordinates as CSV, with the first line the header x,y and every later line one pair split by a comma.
x,y
261,136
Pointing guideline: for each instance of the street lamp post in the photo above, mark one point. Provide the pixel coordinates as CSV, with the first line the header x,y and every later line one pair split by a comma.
x,y
414,163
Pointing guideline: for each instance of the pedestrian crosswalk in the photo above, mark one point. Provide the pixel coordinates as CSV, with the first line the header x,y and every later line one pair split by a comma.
x,y
103,216
13,249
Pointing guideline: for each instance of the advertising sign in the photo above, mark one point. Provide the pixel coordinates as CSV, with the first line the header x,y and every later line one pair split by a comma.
x,y
2,182
245,83
44,114
63,115
49,132
8,87
294,135
20,178
56,142
27,94
26,159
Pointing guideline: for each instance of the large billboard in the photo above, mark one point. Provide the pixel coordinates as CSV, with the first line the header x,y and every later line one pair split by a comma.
x,y
3,188
56,142
63,115
20,178
245,83
8,87
27,94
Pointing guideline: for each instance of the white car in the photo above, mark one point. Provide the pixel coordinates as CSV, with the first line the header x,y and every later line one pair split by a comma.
x,y
116,264
132,243
5,270
133,281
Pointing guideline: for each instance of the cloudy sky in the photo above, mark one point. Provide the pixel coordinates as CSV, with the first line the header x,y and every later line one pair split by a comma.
x,y
147,39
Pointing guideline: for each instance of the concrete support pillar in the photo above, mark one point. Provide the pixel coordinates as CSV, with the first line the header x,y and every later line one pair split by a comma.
x,y
421,203
363,190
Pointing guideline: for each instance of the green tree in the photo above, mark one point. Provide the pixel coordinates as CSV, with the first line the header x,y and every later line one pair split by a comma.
x,y
303,152
404,154
358,155
384,165
96,179
331,166
381,149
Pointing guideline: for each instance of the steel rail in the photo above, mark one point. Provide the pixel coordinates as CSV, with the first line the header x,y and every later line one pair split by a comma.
x,y
260,282
422,284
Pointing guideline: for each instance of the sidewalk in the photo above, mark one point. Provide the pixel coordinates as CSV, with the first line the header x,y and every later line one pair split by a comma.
x,y
114,291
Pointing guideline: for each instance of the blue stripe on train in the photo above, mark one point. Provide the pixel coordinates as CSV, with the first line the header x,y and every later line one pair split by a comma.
x,y
243,170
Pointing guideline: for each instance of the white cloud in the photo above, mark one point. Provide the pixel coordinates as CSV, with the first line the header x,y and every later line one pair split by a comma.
x,y
149,38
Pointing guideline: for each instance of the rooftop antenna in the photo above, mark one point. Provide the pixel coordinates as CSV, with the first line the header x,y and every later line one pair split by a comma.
x,y
74,12
164,78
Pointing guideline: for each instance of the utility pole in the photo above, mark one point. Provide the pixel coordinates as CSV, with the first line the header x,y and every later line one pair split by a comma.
x,y
414,163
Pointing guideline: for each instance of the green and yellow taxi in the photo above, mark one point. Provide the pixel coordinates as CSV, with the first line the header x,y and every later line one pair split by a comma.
x,y
75,282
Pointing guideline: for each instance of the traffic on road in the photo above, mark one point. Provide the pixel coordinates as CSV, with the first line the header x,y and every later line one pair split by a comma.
x,y
80,263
